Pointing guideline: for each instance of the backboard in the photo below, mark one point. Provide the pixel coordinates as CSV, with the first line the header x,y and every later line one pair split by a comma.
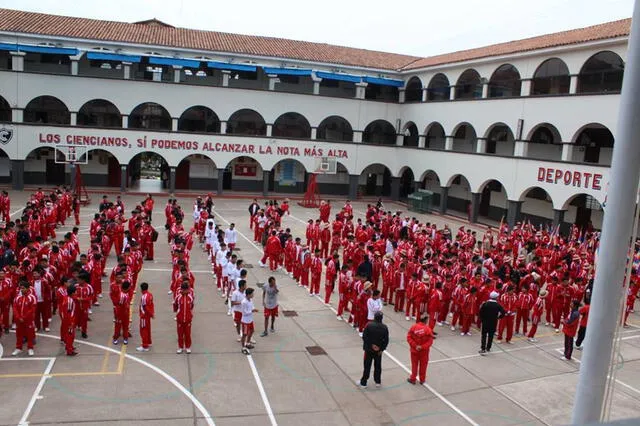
x,y
71,154
325,166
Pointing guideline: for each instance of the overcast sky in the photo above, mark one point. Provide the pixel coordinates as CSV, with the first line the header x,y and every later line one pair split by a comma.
x,y
418,27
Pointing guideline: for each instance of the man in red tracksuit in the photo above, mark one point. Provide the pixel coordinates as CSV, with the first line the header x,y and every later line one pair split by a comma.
x,y
68,311
123,315
524,305
420,339
435,305
147,313
401,281
84,297
330,277
272,251
343,290
509,301
183,307
316,273
325,240
6,299
536,316
24,312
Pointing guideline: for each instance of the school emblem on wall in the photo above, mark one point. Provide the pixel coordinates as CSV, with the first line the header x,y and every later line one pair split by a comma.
x,y
5,135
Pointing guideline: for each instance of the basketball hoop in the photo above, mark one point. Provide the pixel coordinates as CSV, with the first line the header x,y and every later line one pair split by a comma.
x,y
325,166
75,155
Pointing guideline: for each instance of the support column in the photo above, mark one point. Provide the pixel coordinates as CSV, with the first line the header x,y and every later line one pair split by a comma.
x,y
401,93
475,207
520,149
444,195
172,180
481,146
177,70
273,79
265,182
452,93
485,90
226,76
73,119
123,178
74,66
513,212
567,152
448,143
357,136
425,94
353,186
125,121
17,174
525,88
399,139
558,218
316,85
174,124
17,61
361,90
72,175
220,181
157,76
223,127
573,85
395,188
314,133
422,141
126,66
17,115
269,129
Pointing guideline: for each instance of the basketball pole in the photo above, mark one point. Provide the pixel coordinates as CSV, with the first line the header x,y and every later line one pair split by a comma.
x,y
604,314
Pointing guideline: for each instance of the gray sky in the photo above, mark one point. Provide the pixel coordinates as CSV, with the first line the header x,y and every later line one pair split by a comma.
x,y
417,27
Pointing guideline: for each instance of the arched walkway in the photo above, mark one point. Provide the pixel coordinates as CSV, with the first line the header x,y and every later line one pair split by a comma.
x,y
379,132
537,207
431,182
601,73
584,211
243,174
505,82
99,113
47,110
5,110
148,172
337,184
375,179
292,125
435,137
594,144
551,78
439,88
407,183
5,168
41,168
197,171
459,196
493,201
102,169
410,136
199,119
464,138
246,122
500,140
335,128
544,142
469,85
150,116
413,90
288,176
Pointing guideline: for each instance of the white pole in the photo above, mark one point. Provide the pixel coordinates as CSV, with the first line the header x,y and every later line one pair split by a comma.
x,y
604,316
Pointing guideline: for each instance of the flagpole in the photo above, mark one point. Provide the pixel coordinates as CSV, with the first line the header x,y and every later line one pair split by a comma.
x,y
604,315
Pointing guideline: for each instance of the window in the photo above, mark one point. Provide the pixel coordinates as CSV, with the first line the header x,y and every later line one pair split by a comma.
x,y
551,78
289,79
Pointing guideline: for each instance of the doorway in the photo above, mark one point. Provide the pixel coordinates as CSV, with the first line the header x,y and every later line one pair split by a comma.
x,y
55,173
372,182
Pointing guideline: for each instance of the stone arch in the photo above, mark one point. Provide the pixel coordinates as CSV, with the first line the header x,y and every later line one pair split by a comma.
x,y
246,122
439,88
337,184
47,110
199,119
288,176
148,171
469,85
243,173
375,179
407,181
505,82
5,111
335,128
544,142
99,113
413,90
459,195
197,171
102,168
291,125
537,206
551,78
594,143
464,138
435,136
493,200
601,73
583,210
150,116
42,169
379,132
499,139
411,137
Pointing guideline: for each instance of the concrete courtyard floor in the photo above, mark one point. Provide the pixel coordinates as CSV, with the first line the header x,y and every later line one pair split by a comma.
x,y
281,382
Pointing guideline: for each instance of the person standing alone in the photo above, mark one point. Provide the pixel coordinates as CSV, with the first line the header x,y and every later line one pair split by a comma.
x,y
420,339
490,312
375,340
570,328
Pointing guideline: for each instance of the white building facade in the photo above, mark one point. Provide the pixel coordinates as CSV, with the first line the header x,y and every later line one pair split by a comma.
x,y
517,131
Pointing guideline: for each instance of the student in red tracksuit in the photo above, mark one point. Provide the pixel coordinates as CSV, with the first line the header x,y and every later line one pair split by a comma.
x,y
523,306
183,307
469,311
24,312
570,328
325,240
123,315
316,273
305,265
435,304
420,339
84,297
536,316
147,313
401,280
330,277
6,300
272,251
509,301
68,310
343,289
457,296
411,296
42,291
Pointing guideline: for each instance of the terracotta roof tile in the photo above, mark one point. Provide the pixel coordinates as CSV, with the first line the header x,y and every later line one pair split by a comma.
x,y
160,34
581,35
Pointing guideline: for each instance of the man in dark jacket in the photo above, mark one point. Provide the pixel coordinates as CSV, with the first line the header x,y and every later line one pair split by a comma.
x,y
375,340
365,269
490,312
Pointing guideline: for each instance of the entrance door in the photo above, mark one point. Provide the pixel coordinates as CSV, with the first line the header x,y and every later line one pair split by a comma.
x,y
182,175
55,172
372,182
485,201
115,174
226,178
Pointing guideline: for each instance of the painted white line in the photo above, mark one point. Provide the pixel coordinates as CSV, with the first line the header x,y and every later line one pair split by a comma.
x,y
203,411
298,219
1,350
171,270
28,359
263,394
36,393
240,233
15,212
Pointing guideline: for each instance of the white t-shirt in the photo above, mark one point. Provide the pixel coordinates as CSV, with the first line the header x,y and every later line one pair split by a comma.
x,y
231,236
246,307
373,306
236,296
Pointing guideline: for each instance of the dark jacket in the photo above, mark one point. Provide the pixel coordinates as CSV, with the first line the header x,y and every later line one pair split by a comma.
x,y
375,333
490,312
365,269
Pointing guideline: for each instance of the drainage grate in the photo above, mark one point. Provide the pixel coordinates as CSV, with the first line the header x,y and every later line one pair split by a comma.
x,y
247,266
315,350
290,313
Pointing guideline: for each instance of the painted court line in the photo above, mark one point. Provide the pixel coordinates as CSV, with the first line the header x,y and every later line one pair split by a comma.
x,y
263,394
36,393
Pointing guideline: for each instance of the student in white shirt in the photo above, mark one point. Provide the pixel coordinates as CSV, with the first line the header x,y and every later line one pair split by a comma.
x,y
231,236
248,310
374,304
236,299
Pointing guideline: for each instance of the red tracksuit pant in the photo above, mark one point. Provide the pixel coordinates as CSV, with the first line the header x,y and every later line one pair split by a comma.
x,y
184,334
145,331
534,327
4,313
328,288
68,335
522,315
433,317
83,317
25,330
399,306
42,315
467,319
315,284
121,326
419,362
342,304
506,322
